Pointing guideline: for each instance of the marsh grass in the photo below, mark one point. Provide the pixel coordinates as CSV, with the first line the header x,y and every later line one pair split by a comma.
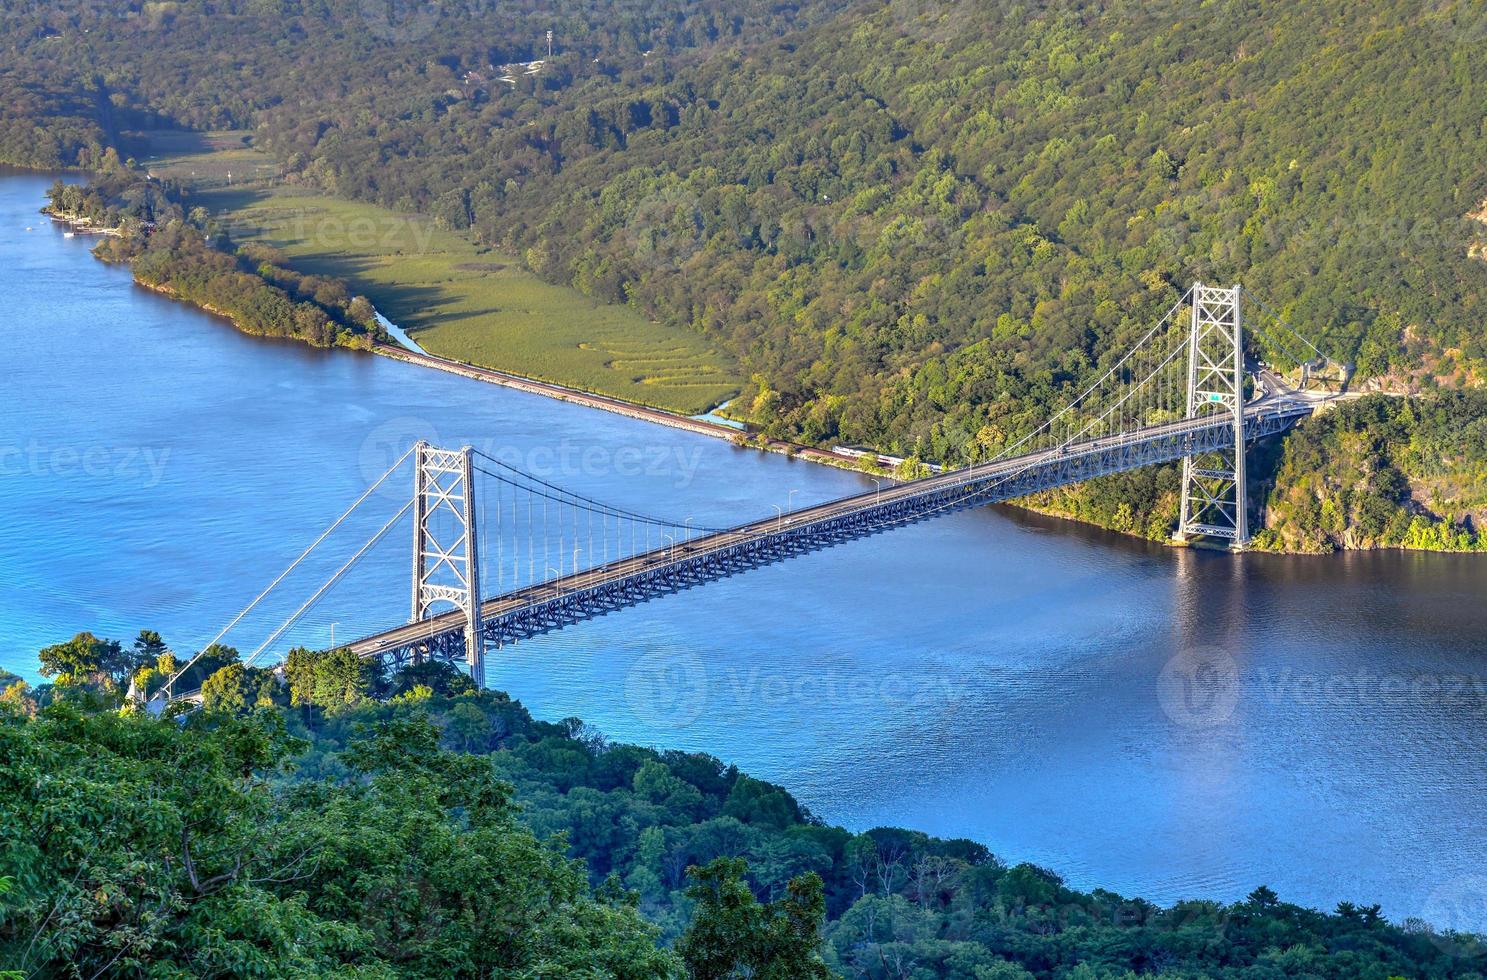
x,y
455,298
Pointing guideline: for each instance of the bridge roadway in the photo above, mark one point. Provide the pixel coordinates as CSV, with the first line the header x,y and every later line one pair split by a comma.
x,y
626,582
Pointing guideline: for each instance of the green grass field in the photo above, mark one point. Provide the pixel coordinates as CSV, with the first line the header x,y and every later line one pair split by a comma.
x,y
456,299
203,159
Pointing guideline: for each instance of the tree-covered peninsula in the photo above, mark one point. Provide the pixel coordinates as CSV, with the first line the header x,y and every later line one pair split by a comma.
x,y
186,254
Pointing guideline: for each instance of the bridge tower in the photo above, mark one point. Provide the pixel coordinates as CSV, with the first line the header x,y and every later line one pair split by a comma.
x,y
1213,484
446,552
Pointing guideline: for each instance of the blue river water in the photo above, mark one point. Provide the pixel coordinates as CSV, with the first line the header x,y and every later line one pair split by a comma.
x,y
1161,723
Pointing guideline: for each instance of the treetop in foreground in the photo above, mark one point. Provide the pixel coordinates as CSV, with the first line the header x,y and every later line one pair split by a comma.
x,y
445,832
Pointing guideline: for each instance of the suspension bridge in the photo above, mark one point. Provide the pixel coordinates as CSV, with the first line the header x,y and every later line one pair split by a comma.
x,y
551,557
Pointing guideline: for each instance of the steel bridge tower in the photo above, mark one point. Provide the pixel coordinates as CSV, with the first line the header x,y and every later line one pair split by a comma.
x,y
446,552
1213,483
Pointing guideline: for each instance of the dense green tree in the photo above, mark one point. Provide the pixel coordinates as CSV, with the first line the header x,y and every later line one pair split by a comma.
x,y
299,675
16,696
382,854
734,935
83,657
329,679
208,662
151,678
209,867
343,679
181,824
237,689
755,802
1380,472
149,647
440,678
469,727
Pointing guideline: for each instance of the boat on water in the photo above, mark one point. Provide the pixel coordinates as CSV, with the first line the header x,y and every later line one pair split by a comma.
x,y
69,234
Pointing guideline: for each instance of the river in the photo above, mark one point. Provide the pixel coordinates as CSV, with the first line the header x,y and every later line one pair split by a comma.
x,y
1161,723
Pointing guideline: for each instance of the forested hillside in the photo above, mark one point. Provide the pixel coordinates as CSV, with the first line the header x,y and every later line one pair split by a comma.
x,y
50,121
1384,473
304,829
910,221
916,225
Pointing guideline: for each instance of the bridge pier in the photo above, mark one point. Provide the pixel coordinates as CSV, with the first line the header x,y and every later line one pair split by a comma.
x,y
1214,500
446,549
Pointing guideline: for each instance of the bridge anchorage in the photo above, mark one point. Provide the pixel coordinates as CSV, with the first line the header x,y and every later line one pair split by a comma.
x,y
500,555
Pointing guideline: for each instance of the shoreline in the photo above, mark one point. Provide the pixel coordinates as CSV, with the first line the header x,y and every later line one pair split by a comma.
x,y
610,403
617,406
170,292
80,225
404,348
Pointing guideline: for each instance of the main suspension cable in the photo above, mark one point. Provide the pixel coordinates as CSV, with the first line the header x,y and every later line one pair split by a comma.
x,y
563,496
292,566
336,577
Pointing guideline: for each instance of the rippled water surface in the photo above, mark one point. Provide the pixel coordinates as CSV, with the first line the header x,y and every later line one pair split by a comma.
x,y
1161,723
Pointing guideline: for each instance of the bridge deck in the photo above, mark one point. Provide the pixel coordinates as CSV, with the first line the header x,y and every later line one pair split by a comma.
x,y
550,605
